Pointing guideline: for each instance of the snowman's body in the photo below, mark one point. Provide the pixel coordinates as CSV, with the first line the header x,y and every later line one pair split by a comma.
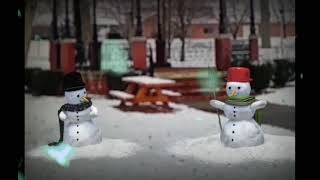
x,y
241,130
79,126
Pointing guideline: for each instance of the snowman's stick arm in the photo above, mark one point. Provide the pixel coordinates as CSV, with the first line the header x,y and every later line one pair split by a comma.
x,y
219,105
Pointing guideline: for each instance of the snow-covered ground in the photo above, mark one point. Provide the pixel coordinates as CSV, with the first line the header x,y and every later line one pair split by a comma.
x,y
114,148
210,149
282,96
134,142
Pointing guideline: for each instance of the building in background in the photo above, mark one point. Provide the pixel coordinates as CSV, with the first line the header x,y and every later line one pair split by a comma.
x,y
115,15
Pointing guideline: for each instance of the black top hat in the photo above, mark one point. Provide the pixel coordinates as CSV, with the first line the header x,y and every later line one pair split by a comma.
x,y
73,81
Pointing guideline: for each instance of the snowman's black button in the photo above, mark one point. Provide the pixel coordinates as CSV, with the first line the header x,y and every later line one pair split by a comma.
x,y
77,116
77,125
234,115
78,119
234,111
234,107
77,112
77,139
233,132
77,132
231,139
234,124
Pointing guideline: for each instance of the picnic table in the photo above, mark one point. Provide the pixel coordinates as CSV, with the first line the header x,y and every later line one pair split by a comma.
x,y
142,89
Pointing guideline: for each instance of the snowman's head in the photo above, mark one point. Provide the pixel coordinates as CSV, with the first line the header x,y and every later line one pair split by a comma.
x,y
238,89
76,97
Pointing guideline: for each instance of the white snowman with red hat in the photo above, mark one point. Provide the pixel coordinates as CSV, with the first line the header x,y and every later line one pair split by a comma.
x,y
241,130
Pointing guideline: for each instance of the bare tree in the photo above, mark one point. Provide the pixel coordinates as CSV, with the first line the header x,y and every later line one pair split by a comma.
x,y
85,6
281,9
184,12
122,13
283,12
265,23
30,10
168,30
239,13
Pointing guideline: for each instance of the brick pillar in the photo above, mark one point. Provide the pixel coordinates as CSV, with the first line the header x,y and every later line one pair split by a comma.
x,y
254,48
223,52
139,53
54,60
68,56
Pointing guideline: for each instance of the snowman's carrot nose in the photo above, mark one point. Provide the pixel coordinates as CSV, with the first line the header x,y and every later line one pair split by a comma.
x,y
84,99
234,93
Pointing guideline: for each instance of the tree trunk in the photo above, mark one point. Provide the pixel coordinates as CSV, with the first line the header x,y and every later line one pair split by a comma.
x,y
265,24
252,19
169,29
138,17
181,14
234,34
164,21
151,67
182,58
283,19
223,17
80,55
67,27
94,28
30,9
86,27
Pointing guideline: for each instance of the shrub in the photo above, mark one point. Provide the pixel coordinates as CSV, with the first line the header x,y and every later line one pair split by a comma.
x,y
282,72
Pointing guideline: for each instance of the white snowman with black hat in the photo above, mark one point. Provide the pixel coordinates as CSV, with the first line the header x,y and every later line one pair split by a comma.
x,y
76,117
241,130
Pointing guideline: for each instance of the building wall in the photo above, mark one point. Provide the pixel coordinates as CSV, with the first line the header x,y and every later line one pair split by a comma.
x,y
150,27
276,29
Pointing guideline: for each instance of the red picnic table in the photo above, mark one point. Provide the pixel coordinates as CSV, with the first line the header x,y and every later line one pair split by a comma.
x,y
142,89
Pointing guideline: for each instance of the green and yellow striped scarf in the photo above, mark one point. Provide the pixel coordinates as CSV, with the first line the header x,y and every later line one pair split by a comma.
x,y
244,101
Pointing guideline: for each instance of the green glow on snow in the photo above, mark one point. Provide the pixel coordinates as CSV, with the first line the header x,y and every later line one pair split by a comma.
x,y
61,154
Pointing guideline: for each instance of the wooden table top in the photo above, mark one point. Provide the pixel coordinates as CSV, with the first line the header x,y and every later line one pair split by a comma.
x,y
147,80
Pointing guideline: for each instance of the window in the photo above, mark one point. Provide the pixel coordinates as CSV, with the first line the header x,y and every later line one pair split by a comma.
x,y
208,30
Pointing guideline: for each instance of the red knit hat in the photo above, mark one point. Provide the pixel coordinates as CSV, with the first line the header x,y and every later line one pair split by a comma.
x,y
239,74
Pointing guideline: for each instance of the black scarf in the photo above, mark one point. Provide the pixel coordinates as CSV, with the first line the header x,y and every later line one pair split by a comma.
x,y
75,107
72,108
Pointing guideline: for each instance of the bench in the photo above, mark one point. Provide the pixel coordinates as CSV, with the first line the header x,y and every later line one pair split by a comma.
x,y
167,92
121,95
170,93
